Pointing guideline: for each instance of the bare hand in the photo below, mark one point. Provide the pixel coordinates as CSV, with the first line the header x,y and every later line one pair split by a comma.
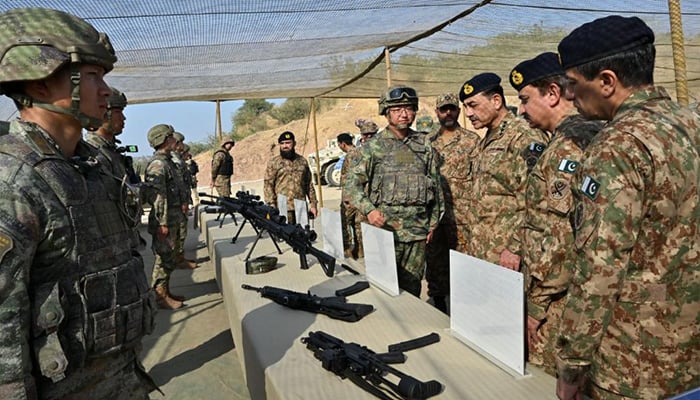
x,y
532,333
162,232
510,260
376,218
569,391
314,211
185,208
430,236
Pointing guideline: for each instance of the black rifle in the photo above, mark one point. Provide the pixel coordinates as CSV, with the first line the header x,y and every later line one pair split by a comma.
x,y
335,307
265,218
370,370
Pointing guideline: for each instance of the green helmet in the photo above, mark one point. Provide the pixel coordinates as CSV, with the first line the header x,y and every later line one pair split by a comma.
x,y
36,42
116,100
424,124
397,96
158,134
179,137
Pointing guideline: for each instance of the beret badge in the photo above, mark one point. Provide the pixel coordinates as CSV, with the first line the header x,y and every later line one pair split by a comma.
x,y
468,89
516,77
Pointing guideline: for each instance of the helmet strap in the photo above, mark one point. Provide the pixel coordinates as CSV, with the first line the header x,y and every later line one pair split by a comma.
x,y
87,122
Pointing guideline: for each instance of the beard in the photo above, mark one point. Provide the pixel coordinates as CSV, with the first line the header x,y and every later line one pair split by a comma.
x,y
448,122
287,154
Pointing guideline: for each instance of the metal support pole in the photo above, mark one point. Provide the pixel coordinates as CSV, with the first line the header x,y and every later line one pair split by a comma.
x,y
387,60
674,12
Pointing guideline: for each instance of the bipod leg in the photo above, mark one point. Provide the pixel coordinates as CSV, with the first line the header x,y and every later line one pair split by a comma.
x,y
233,217
279,251
259,235
240,228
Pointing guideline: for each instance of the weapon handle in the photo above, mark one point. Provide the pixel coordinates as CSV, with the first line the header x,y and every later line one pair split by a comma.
x,y
412,388
415,343
357,287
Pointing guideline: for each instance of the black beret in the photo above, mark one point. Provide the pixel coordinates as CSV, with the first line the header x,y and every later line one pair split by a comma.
x,y
603,37
478,84
286,135
529,71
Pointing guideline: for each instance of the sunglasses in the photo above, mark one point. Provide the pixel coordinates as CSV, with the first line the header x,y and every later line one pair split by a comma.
x,y
399,93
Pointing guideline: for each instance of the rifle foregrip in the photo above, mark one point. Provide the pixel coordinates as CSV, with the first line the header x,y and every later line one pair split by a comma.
x,y
412,388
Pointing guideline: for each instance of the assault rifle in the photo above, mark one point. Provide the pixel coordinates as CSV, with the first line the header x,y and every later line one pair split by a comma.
x,y
335,307
370,370
265,218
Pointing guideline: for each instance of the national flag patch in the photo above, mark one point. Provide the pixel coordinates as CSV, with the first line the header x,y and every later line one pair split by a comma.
x,y
537,147
590,187
568,166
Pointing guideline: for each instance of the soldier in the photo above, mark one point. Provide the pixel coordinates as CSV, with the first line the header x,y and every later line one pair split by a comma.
x,y
222,168
182,180
167,212
367,129
424,124
411,205
630,325
454,145
193,170
74,300
546,236
352,237
289,174
499,168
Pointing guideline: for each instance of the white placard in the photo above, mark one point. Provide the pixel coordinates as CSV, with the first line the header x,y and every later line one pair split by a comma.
x,y
301,212
380,258
332,233
282,205
487,310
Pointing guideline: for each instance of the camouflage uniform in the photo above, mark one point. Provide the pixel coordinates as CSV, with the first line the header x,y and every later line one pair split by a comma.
x,y
221,172
183,182
401,180
454,155
166,200
547,237
291,178
193,169
632,309
73,296
499,169
351,220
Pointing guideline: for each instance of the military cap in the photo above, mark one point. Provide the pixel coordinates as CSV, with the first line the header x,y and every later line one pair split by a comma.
x,y
179,137
260,265
601,38
366,127
186,148
344,138
540,67
158,134
286,135
228,140
479,83
447,99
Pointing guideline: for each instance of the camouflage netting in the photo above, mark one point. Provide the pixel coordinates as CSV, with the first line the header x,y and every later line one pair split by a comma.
x,y
221,49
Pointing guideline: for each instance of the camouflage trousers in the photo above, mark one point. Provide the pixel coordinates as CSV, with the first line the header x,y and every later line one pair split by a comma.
x,y
351,220
180,245
165,256
222,183
410,265
543,352
437,271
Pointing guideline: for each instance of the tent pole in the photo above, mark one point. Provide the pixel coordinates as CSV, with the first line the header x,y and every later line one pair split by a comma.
x,y
219,133
674,12
318,160
387,60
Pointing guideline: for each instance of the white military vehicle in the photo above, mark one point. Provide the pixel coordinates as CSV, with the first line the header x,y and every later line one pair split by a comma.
x,y
330,161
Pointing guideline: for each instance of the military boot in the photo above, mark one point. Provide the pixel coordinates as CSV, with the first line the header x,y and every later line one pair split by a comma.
x,y
164,300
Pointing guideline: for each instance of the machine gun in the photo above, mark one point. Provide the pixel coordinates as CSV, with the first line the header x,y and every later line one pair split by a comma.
x,y
370,370
335,307
265,218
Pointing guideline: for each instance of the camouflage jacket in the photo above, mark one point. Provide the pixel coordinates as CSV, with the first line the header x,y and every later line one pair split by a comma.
x,y
110,160
546,236
633,308
163,194
291,178
66,269
454,177
400,178
499,169
183,179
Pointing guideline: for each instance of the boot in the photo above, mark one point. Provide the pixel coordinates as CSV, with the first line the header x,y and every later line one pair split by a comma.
x,y
440,303
164,301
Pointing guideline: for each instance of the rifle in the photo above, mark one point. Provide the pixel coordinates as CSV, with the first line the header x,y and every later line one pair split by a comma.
x,y
369,370
265,218
335,307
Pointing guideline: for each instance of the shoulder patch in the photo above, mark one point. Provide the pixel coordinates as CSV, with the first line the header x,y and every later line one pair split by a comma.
x,y
537,147
590,187
568,166
559,189
6,244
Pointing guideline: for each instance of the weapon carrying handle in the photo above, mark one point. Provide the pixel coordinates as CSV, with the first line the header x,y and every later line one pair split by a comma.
x,y
415,343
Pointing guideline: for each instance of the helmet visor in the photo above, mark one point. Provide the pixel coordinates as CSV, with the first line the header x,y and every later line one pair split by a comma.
x,y
401,93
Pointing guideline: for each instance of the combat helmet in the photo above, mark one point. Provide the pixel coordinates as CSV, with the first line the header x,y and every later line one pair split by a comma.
x,y
397,96
424,124
116,100
37,42
158,134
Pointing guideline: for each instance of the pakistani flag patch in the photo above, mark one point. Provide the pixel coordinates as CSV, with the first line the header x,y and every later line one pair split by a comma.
x,y
590,187
568,166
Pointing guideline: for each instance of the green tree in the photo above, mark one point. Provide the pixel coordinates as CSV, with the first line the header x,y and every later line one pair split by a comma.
x,y
292,109
247,119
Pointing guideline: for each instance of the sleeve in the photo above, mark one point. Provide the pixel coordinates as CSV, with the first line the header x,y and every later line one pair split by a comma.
x,y
311,192
17,249
215,164
608,214
439,207
269,183
156,176
357,181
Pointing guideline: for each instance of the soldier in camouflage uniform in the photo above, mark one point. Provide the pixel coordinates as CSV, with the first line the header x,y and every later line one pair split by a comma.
x,y
222,168
499,167
193,170
398,169
367,129
630,325
74,300
424,124
168,210
289,174
454,145
546,236
352,238
183,182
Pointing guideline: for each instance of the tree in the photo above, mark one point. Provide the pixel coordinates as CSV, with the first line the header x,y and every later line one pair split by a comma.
x,y
246,120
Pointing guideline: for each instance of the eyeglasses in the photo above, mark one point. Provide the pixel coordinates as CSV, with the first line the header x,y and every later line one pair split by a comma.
x,y
402,109
399,93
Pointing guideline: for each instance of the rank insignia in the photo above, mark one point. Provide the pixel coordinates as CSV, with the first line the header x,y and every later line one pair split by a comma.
x,y
590,187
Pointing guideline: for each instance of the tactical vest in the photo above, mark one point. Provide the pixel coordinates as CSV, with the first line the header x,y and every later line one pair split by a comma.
x,y
88,293
400,177
226,167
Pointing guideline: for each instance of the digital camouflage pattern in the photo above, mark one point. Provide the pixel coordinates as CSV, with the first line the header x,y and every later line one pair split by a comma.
x,y
632,310
351,219
74,300
454,154
546,237
183,182
166,210
400,178
221,172
291,178
499,168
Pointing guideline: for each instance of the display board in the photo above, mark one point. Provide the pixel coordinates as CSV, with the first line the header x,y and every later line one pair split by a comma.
x,y
380,259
